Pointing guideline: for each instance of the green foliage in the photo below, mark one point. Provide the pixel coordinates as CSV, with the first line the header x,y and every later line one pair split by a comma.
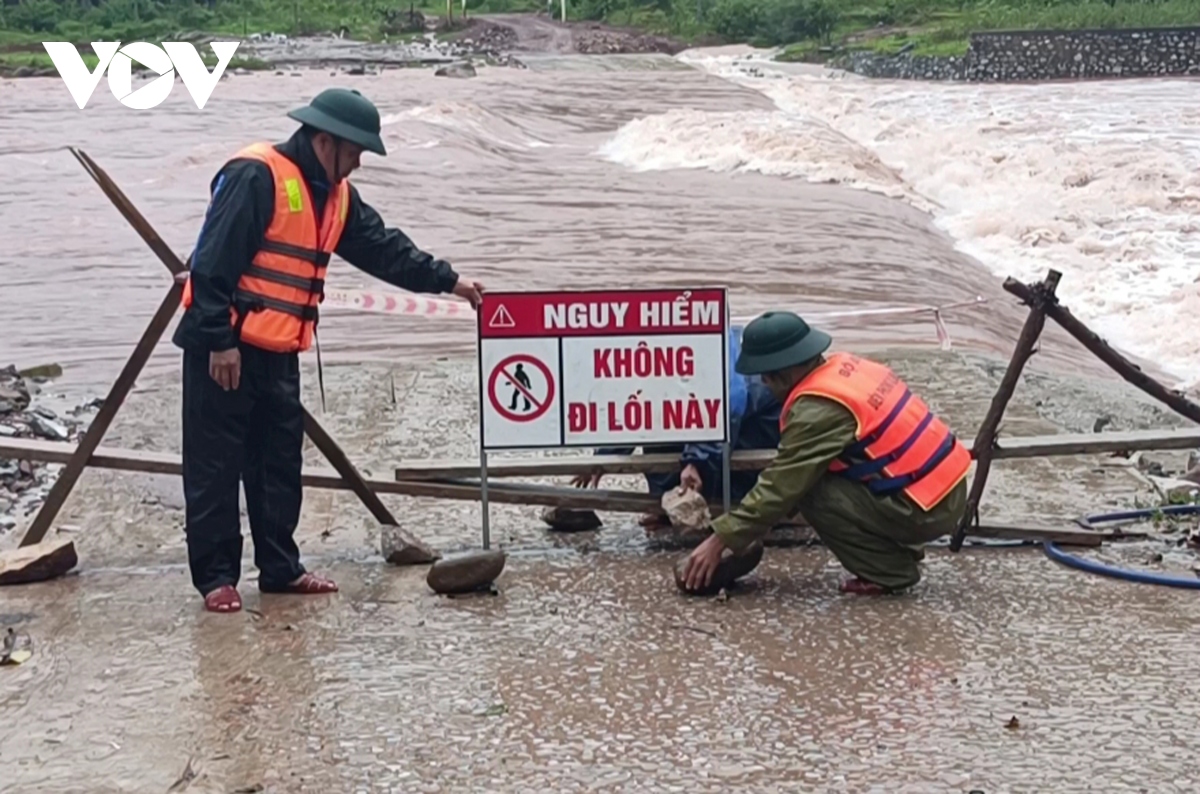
x,y
932,27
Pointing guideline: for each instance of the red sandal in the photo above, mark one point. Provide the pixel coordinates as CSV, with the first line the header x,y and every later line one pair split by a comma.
x,y
861,587
311,584
224,599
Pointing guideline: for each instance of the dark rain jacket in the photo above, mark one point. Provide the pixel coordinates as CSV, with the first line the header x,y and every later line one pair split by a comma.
x,y
241,208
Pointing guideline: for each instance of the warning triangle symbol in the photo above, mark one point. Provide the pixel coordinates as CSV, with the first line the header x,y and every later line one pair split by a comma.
x,y
501,318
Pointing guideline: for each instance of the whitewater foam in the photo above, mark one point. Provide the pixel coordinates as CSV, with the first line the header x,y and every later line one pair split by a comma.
x,y
1098,180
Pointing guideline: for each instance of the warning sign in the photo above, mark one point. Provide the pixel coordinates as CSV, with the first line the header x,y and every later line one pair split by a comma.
x,y
601,368
511,376
501,318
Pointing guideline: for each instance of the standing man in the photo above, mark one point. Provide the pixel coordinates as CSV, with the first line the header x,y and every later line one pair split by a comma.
x,y
870,467
277,214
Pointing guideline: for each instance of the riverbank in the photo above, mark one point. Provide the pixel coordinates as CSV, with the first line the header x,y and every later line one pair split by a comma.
x,y
421,41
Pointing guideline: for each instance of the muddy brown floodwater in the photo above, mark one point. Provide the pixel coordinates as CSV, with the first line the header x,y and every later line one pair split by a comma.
x,y
588,672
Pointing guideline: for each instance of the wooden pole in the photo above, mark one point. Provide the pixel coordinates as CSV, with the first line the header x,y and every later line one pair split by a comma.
x,y
985,439
1132,373
312,427
104,417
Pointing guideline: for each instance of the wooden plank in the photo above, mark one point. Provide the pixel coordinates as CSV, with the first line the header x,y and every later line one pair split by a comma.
x,y
568,465
515,493
506,493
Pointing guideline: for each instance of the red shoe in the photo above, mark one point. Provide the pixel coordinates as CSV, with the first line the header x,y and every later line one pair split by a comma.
x,y
861,587
224,599
311,584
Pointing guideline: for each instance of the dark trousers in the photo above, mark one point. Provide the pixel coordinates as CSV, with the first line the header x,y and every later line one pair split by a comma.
x,y
255,435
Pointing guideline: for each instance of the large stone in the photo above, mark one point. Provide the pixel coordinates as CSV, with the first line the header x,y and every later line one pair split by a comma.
x,y
456,70
687,510
37,562
400,548
566,519
731,568
465,573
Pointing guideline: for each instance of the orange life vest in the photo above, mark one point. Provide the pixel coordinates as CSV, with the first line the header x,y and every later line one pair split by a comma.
x,y
900,445
280,290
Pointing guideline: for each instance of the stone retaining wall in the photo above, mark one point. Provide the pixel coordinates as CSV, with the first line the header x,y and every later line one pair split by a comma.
x,y
1033,55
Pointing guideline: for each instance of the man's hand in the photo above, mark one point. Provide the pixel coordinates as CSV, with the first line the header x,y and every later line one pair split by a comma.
x,y
690,478
586,480
702,563
470,291
225,367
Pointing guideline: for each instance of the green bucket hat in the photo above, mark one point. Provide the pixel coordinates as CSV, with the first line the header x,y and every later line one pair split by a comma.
x,y
344,113
778,340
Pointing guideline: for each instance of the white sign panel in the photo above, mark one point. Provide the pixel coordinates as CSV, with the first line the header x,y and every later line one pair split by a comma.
x,y
603,368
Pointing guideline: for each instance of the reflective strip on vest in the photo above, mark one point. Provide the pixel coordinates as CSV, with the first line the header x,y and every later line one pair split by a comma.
x,y
277,296
900,444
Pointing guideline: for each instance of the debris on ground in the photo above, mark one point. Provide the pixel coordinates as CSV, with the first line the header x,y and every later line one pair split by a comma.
x,y
37,562
15,648
24,483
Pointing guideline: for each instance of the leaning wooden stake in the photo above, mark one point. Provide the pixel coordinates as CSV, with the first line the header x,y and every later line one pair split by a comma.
x,y
985,439
1131,372
417,551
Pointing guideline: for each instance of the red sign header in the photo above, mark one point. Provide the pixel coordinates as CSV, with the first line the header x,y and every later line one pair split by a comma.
x,y
611,313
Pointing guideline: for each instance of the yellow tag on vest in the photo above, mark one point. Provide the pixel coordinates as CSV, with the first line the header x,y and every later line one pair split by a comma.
x,y
295,199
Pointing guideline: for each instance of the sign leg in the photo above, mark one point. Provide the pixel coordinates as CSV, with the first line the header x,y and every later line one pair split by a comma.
x,y
104,417
483,498
725,475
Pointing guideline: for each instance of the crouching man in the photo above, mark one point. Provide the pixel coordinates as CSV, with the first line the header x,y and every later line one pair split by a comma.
x,y
872,470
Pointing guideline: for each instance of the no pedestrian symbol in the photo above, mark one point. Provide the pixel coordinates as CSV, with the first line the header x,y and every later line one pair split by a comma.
x,y
514,394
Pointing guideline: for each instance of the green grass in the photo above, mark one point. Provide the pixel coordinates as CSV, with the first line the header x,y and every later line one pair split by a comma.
x,y
11,61
157,20
942,28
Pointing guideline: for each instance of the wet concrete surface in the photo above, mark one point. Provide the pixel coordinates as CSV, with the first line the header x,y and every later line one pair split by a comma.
x,y
589,672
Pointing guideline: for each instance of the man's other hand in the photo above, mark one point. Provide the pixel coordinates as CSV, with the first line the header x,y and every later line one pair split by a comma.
x,y
225,367
470,291
690,478
702,563
586,480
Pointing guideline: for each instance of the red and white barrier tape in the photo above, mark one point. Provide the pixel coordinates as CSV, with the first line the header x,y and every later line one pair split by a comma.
x,y
395,303
404,303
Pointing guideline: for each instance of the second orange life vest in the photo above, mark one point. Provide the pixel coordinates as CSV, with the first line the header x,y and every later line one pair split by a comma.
x,y
900,445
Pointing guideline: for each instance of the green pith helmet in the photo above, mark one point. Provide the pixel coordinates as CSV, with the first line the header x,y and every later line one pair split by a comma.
x,y
343,113
778,340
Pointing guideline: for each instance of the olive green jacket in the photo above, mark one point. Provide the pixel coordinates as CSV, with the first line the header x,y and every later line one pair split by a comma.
x,y
817,430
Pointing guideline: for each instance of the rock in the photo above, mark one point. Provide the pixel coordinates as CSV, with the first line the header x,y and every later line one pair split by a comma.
x,y
37,563
456,70
687,510
15,395
466,573
1173,489
48,428
565,519
400,548
44,371
731,568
